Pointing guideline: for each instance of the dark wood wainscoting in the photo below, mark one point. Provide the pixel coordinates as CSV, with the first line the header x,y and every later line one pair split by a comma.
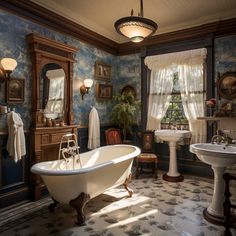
x,y
14,177
187,162
83,137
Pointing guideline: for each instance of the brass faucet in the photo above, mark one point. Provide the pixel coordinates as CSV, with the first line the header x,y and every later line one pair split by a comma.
x,y
221,137
173,126
218,138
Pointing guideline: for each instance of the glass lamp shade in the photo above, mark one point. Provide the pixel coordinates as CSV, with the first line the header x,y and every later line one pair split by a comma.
x,y
9,64
88,83
135,28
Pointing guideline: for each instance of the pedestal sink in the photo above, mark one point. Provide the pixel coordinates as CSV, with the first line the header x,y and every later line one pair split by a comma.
x,y
172,137
219,156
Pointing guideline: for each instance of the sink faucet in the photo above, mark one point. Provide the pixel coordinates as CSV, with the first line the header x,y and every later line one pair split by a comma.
x,y
173,126
234,141
218,138
226,141
221,137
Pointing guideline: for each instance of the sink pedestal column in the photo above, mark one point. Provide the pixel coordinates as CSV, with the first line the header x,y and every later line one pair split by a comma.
x,y
215,212
173,175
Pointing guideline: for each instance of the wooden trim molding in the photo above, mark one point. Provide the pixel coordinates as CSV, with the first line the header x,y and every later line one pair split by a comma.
x,y
220,28
43,16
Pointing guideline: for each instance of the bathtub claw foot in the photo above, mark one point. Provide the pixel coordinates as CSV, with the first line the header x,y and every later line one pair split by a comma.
x,y
128,179
52,206
79,203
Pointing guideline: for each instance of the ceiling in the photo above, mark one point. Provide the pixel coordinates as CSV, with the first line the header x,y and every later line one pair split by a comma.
x,y
170,15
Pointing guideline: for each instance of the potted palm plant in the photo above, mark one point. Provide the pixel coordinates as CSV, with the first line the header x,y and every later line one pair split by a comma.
x,y
125,112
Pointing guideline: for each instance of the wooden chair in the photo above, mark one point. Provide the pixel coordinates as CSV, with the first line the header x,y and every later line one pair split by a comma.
x,y
147,157
230,218
113,136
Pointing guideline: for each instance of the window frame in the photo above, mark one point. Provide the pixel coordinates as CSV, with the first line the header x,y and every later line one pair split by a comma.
x,y
200,42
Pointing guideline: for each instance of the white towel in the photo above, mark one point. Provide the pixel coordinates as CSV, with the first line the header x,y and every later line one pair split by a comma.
x,y
16,136
94,129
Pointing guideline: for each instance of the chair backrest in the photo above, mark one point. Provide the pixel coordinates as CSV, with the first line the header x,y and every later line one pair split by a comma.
x,y
113,136
147,141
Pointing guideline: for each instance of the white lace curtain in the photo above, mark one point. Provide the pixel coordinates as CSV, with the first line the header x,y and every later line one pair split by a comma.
x,y
161,85
189,65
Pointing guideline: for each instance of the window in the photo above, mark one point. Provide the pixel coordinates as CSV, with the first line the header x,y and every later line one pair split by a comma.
x,y
175,112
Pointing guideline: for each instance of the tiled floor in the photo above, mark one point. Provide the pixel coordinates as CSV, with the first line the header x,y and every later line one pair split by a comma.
x,y
156,208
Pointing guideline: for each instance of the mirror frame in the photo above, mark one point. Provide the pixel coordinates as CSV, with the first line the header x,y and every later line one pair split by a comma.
x,y
219,83
46,51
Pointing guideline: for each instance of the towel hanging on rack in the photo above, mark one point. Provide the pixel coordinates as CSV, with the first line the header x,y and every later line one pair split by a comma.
x,y
16,136
94,129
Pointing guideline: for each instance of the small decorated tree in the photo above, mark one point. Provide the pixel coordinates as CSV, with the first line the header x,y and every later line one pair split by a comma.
x,y
125,112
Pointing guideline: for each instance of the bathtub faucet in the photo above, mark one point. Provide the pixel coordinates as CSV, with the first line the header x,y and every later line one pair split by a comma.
x,y
71,151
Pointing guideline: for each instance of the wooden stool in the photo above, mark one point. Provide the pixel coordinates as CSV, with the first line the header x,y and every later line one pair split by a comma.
x,y
146,158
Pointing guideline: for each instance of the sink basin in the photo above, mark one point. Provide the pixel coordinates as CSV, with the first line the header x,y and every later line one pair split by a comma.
x,y
219,157
172,135
215,154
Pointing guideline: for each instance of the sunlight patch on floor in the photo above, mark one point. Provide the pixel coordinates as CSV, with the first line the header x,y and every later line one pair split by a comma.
x,y
132,219
124,203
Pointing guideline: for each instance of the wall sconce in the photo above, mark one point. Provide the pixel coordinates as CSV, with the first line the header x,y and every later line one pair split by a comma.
x,y
85,87
8,65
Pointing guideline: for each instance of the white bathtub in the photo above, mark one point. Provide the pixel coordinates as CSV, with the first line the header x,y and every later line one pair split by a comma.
x,y
103,168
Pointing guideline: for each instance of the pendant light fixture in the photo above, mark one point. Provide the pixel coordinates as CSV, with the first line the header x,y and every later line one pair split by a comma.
x,y
136,27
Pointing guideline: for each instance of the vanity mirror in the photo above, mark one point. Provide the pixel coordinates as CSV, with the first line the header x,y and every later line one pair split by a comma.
x,y
53,91
226,85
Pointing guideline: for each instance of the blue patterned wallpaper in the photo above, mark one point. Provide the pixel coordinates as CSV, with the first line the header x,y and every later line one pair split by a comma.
x,y
225,57
125,69
129,72
225,54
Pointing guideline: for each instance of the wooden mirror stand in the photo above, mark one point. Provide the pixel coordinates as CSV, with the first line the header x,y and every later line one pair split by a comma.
x,y
45,137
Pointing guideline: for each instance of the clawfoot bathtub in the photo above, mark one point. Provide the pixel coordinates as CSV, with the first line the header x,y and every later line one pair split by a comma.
x,y
103,168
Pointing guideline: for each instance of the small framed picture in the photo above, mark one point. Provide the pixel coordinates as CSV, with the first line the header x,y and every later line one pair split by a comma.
x,y
104,91
102,71
129,89
15,90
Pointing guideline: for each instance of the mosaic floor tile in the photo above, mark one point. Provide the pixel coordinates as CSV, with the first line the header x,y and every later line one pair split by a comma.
x,y
156,208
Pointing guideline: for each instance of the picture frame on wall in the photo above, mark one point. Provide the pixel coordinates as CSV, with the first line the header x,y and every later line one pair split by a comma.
x,y
103,71
15,90
129,89
104,91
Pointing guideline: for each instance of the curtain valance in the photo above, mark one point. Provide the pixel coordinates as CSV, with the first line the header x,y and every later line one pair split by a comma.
x,y
190,57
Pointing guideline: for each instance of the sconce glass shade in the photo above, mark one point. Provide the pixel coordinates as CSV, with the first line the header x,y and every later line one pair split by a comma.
x,y
85,87
88,83
135,27
9,64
